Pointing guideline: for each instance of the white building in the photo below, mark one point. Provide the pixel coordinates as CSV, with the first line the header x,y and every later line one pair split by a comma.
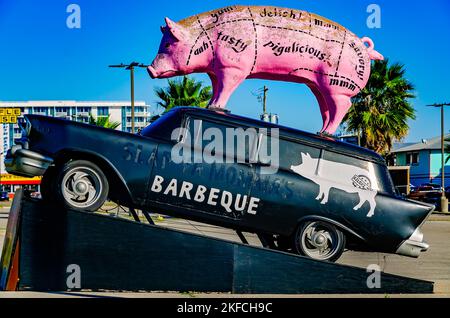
x,y
119,111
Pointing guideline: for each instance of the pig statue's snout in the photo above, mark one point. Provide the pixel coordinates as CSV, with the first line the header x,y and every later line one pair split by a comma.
x,y
152,72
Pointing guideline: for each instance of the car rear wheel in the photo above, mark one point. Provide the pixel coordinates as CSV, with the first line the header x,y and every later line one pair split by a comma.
x,y
320,240
81,185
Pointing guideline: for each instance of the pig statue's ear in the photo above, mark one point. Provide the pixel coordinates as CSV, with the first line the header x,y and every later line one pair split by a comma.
x,y
176,30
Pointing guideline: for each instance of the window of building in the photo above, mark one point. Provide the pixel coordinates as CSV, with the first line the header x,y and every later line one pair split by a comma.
x,y
84,109
136,119
82,119
137,109
62,109
412,158
103,111
40,109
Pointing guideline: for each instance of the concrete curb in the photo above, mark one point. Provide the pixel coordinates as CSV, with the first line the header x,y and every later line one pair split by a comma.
x,y
85,294
441,287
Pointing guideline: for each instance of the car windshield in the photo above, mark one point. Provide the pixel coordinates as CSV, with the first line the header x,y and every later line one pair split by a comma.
x,y
163,127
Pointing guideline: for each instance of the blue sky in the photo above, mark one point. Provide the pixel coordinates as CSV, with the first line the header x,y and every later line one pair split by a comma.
x,y
40,58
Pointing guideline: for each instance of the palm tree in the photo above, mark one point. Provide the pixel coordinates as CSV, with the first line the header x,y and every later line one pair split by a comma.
x,y
183,92
380,112
103,121
447,149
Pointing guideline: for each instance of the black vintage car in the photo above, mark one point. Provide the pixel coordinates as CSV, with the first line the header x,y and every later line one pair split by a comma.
x,y
303,193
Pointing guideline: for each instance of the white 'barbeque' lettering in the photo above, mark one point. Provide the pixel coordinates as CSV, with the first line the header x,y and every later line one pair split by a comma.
x,y
225,199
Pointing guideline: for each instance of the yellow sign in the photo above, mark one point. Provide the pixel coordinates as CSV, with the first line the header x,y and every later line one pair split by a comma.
x,y
12,179
9,115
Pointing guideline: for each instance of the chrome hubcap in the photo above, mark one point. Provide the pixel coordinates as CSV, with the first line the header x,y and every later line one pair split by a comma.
x,y
81,187
319,240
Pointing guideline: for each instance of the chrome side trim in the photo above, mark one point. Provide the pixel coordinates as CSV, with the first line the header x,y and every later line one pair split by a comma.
x,y
414,245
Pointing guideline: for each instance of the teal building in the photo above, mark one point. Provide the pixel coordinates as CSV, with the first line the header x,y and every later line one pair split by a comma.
x,y
424,161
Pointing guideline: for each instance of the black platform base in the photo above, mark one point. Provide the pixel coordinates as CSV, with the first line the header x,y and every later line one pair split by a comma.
x,y
116,254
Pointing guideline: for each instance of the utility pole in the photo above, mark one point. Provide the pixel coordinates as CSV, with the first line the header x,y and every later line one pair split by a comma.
x,y
444,200
261,95
265,89
131,67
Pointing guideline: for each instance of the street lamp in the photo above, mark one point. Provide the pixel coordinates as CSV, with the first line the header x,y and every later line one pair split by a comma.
x,y
131,67
444,200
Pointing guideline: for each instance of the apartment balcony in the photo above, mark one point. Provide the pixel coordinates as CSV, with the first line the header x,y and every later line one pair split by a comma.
x,y
61,114
138,124
82,114
138,114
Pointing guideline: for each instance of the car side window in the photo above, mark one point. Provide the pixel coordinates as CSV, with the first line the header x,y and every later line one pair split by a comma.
x,y
283,152
347,160
294,153
236,144
360,172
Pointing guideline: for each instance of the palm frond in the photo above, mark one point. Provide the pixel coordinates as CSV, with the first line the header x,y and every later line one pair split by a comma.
x,y
381,110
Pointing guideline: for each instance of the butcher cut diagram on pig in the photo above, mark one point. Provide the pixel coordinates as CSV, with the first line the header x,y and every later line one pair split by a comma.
x,y
246,42
346,177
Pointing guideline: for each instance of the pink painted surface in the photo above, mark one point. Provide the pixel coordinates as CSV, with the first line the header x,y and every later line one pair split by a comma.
x,y
243,42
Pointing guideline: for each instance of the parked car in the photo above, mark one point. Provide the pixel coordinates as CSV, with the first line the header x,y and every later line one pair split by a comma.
x,y
426,193
4,196
435,186
323,196
429,193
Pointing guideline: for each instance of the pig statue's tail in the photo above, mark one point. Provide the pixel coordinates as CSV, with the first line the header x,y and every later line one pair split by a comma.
x,y
374,55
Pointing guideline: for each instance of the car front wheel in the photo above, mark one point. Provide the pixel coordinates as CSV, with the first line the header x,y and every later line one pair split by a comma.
x,y
320,240
81,185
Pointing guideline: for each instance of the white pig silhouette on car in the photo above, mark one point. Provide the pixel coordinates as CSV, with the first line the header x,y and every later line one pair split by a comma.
x,y
350,179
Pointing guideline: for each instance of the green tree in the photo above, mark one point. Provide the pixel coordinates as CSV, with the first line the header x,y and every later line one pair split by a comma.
x,y
380,112
184,91
103,121
447,149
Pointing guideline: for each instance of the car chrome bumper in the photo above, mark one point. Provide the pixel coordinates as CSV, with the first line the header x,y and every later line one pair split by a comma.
x,y
414,245
27,163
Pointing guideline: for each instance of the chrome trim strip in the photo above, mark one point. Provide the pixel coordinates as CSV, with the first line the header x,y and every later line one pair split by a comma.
x,y
414,245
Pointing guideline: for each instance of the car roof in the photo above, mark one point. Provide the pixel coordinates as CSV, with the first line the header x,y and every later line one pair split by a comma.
x,y
291,133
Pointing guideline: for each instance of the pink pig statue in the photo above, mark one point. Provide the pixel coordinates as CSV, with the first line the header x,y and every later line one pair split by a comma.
x,y
239,42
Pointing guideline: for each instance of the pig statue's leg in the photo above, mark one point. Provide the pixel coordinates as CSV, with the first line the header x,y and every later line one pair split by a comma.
x,y
338,105
228,81
215,87
322,104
